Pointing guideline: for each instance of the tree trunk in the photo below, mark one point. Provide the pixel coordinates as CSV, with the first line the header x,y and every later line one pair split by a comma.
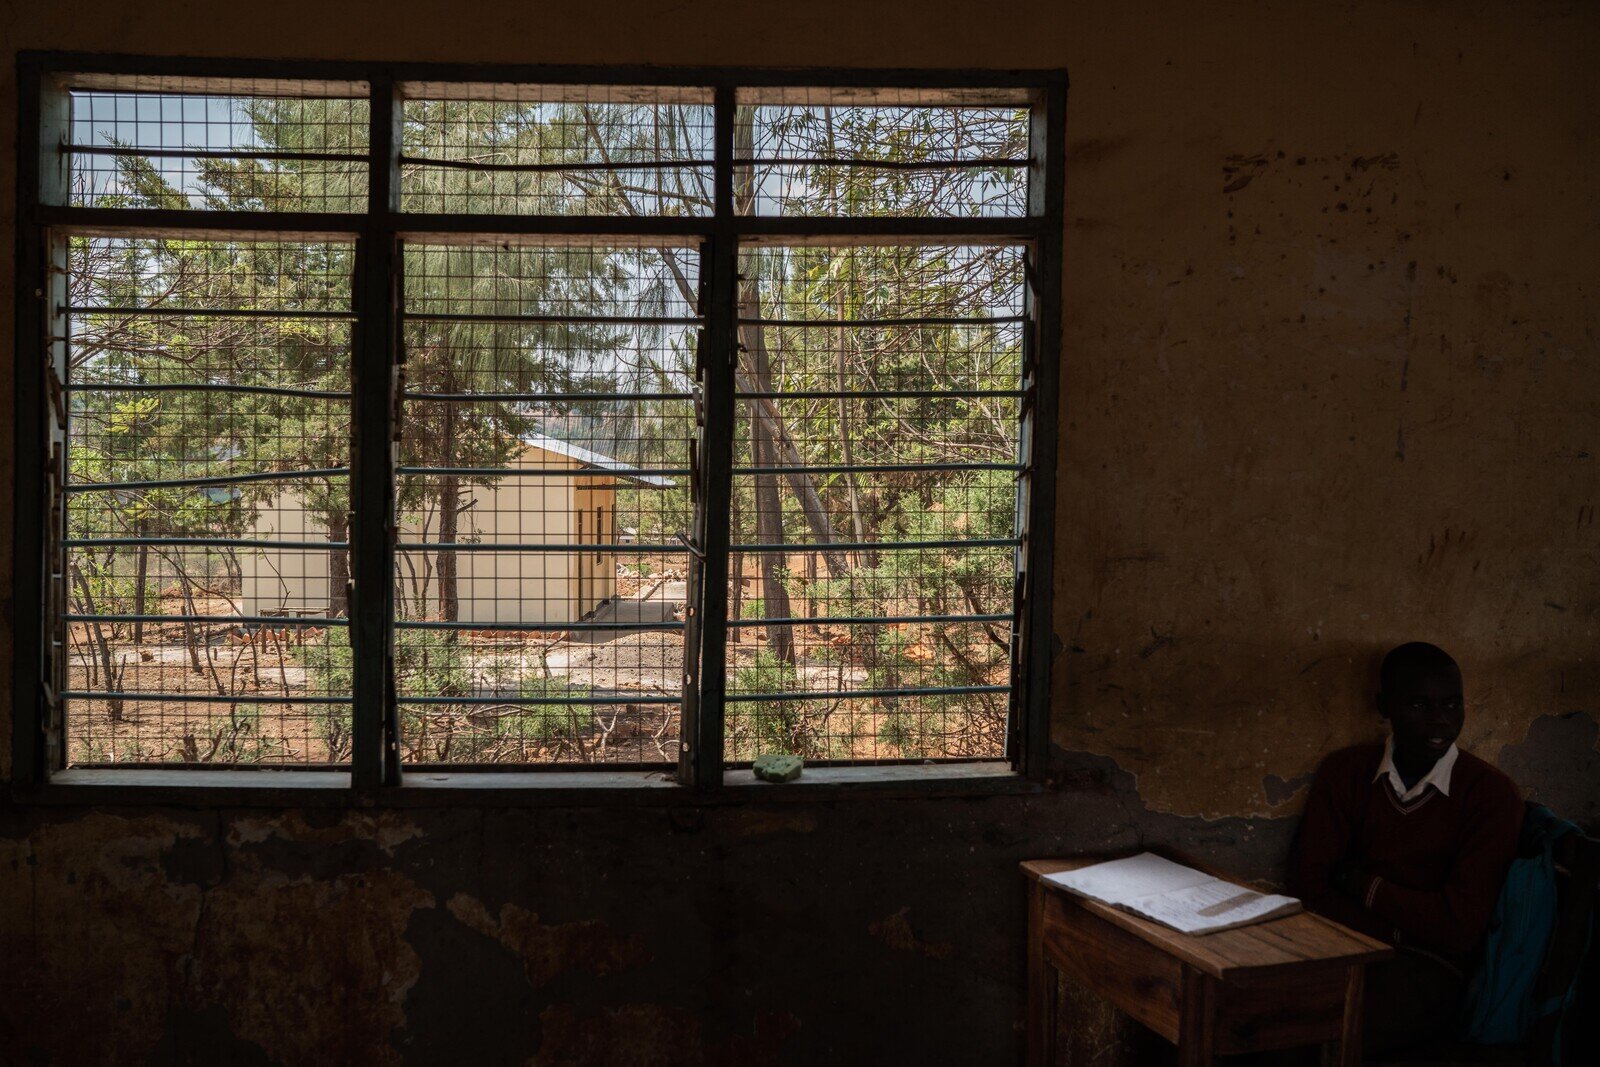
x,y
769,531
736,577
113,681
763,434
804,486
449,527
858,524
449,509
141,571
339,565
768,494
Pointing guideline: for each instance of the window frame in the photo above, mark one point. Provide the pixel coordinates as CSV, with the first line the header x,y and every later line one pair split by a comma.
x,y
43,216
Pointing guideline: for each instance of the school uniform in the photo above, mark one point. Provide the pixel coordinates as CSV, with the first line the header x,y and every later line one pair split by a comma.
x,y
1433,856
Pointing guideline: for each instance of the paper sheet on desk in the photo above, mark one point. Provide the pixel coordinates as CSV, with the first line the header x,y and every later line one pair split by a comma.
x,y
1183,898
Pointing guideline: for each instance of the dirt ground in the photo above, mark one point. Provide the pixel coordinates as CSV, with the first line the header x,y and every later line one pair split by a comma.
x,y
266,661
234,660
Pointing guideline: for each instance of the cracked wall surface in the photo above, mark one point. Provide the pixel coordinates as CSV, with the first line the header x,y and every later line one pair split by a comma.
x,y
1330,383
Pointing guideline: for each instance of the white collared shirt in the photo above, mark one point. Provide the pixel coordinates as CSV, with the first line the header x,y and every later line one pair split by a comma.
x,y
1438,776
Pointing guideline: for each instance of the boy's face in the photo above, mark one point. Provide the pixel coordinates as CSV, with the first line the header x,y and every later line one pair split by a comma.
x,y
1426,711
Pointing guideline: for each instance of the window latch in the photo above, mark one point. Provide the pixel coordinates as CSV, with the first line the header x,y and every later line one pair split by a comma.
x,y
688,543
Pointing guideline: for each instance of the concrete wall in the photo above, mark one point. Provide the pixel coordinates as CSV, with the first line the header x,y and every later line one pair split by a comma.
x,y
1330,383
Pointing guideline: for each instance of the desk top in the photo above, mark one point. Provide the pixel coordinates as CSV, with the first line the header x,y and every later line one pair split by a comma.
x,y
1297,939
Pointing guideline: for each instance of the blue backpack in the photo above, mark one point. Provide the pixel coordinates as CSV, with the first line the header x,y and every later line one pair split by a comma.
x,y
1500,1008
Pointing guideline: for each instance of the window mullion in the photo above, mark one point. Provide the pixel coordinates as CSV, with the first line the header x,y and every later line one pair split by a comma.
x,y
40,426
375,751
716,468
1046,147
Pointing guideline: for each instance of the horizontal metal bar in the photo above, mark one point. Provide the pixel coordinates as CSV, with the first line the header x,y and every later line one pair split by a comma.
x,y
640,165
216,620
250,390
203,223
203,542
816,84
543,168
915,761
558,397
879,164
579,701
881,468
293,775
530,778
864,694
889,229
774,229
884,394
600,231
212,313
221,479
475,546
202,698
556,320
212,153
537,627
877,546
991,320
870,620
541,472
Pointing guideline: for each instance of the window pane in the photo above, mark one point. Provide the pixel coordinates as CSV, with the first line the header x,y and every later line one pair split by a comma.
x,y
812,156
544,388
876,455
218,152
557,150
208,399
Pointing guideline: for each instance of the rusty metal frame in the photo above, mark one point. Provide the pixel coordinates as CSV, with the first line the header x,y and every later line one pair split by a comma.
x,y
44,218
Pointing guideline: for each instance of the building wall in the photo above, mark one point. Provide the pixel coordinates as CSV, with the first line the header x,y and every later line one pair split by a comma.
x,y
510,586
594,578
1330,383
491,586
285,581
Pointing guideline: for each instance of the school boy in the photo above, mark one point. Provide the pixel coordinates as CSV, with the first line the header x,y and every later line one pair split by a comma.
x,y
1409,840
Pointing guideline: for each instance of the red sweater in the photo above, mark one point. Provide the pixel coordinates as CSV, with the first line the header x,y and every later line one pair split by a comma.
x,y
1432,868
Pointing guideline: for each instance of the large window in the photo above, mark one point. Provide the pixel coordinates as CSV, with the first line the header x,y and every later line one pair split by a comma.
x,y
410,424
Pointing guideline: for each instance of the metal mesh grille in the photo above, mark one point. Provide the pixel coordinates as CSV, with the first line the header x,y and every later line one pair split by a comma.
x,y
237,153
551,437
809,156
874,521
207,495
532,150
546,442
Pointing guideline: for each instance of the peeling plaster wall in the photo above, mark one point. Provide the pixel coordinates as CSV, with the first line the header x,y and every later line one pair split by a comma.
x,y
1330,383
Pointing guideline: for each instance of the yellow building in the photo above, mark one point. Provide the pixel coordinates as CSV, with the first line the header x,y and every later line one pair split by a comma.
x,y
493,587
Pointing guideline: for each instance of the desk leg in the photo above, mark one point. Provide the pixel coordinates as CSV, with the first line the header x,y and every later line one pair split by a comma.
x,y
1042,991
1197,1020
1348,1050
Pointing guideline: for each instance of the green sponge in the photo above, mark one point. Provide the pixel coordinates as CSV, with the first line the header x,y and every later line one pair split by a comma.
x,y
774,768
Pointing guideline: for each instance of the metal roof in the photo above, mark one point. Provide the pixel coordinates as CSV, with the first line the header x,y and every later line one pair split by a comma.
x,y
596,460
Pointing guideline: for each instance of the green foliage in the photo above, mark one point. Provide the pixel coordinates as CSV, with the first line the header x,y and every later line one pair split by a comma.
x,y
758,726
518,730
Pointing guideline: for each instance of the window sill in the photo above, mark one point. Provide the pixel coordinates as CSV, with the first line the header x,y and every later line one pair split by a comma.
x,y
437,788
994,776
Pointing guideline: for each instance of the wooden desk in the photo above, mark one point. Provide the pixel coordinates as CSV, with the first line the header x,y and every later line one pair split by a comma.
x,y
1278,984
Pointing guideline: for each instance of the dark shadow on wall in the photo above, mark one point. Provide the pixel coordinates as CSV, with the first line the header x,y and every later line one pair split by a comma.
x,y
1558,766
